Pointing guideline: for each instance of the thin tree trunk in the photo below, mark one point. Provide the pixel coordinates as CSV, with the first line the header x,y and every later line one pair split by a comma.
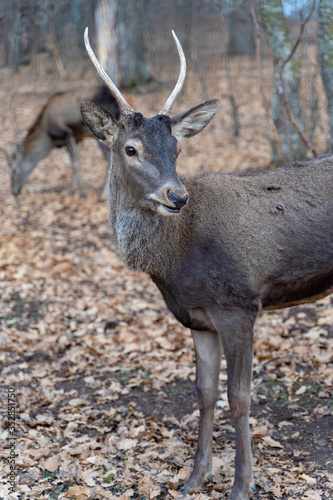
x,y
107,37
133,66
240,28
120,41
14,55
325,51
275,23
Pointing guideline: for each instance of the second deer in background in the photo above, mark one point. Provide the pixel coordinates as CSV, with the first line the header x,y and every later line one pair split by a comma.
x,y
59,124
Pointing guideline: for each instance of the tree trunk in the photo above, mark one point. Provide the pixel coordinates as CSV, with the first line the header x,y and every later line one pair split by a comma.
x,y
275,23
120,41
240,29
108,38
325,52
15,53
131,37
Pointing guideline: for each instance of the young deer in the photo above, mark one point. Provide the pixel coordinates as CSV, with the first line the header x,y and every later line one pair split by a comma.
x,y
59,124
220,247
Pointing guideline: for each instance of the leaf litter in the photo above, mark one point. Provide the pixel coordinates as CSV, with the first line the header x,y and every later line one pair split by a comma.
x,y
104,374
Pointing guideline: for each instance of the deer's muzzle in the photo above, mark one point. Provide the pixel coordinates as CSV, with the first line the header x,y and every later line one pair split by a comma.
x,y
178,202
170,200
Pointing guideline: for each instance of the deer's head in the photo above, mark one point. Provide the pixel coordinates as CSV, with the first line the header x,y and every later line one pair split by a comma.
x,y
145,150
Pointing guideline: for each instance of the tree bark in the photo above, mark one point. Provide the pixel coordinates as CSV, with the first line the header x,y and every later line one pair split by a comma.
x,y
15,53
131,38
325,52
120,41
107,38
240,29
273,18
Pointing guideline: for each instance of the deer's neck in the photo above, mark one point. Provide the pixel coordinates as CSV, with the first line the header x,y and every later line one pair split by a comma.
x,y
36,146
140,235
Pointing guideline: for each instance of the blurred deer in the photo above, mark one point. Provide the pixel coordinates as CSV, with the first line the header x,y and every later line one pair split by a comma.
x,y
59,124
220,247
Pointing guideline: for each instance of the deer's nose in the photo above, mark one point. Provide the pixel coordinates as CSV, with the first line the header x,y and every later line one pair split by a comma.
x,y
178,201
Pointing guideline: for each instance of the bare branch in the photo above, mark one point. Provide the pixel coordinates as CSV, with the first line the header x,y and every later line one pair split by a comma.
x,y
300,34
281,91
291,117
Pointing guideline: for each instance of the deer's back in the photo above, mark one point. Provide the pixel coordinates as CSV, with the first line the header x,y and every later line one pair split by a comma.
x,y
266,237
62,110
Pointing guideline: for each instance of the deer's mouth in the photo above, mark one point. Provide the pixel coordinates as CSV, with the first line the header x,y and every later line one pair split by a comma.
x,y
171,210
166,210
172,207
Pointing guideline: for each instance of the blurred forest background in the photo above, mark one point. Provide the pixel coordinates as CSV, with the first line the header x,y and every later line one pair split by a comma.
x,y
134,44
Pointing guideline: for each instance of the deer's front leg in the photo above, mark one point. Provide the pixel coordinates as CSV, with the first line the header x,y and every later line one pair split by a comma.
x,y
208,358
76,177
237,339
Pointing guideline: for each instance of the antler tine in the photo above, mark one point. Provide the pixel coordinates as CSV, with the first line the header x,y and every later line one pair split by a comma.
x,y
166,110
123,104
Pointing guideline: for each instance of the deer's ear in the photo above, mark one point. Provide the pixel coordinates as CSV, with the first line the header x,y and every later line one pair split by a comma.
x,y
194,120
101,123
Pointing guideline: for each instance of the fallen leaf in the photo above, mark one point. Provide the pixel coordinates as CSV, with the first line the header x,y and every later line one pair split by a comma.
x,y
51,464
307,478
271,442
148,487
312,495
78,492
301,390
126,444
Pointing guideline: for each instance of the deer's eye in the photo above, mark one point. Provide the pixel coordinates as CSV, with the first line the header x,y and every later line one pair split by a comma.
x,y
130,151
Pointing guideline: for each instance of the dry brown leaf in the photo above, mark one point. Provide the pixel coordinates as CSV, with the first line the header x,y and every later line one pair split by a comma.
x,y
178,478
148,487
89,477
313,495
271,442
51,464
77,402
307,478
260,431
301,390
78,492
126,444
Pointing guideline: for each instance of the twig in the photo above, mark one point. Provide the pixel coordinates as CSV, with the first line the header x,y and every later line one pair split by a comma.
x,y
300,34
234,114
281,91
261,82
232,100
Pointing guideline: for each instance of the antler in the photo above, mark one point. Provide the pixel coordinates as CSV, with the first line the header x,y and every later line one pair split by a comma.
x,y
125,108
166,110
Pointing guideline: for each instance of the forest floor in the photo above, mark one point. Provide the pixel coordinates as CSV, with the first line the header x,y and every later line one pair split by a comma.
x,y
102,372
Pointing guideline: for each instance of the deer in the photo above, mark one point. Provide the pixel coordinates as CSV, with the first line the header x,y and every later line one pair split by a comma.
x,y
221,247
59,124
